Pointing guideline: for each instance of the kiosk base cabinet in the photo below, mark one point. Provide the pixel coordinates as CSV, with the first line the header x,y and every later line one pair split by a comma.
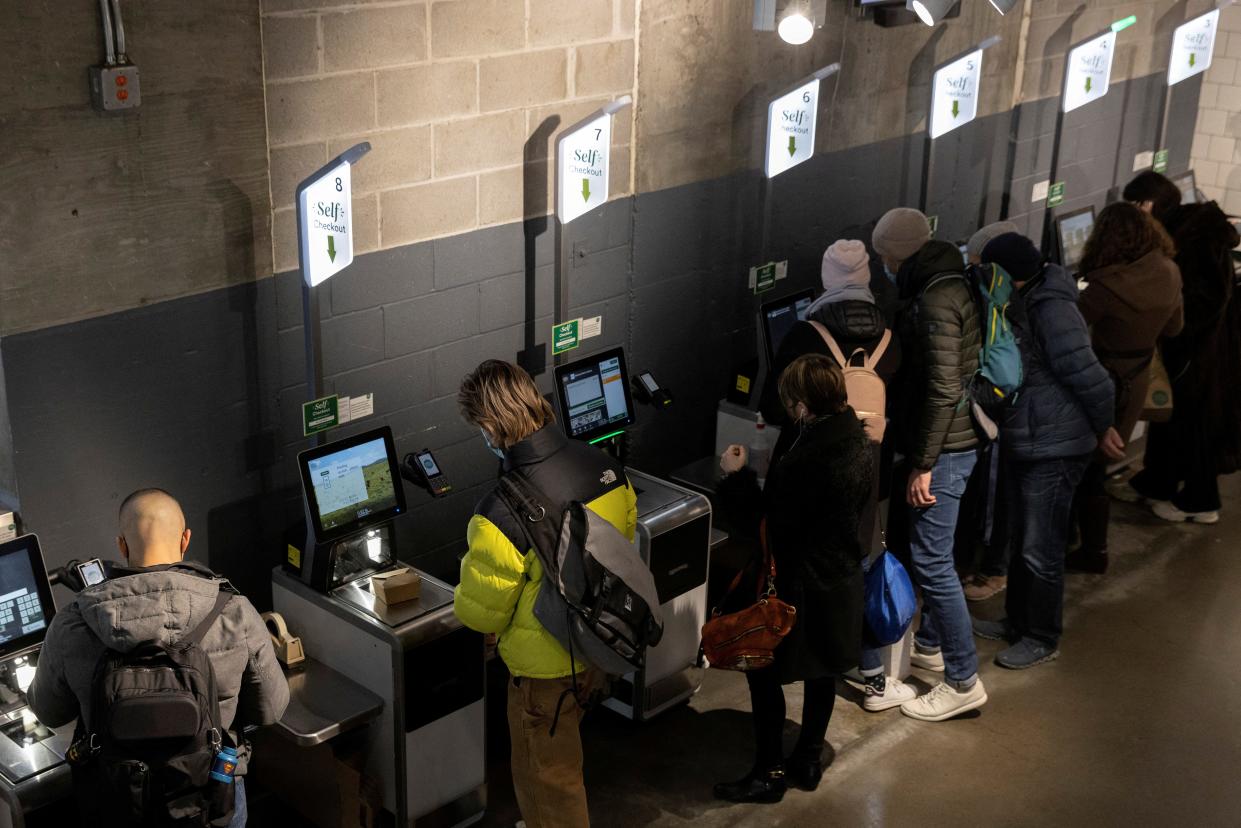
x,y
426,750
674,540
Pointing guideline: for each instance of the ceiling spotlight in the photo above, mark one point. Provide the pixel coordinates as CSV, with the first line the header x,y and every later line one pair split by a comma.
x,y
930,12
1003,6
797,24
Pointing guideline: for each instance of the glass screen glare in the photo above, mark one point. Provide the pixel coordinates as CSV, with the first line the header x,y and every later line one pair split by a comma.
x,y
21,610
91,572
428,464
595,396
1074,230
782,317
352,483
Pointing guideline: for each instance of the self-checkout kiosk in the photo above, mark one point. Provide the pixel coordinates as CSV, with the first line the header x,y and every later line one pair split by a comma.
x,y
32,756
673,537
426,748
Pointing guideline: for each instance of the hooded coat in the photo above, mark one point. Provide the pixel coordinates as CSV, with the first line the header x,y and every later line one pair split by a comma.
x,y
159,605
1129,308
813,501
1066,399
1209,346
940,339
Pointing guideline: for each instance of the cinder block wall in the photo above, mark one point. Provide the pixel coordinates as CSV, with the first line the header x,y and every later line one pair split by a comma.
x,y
1217,135
447,92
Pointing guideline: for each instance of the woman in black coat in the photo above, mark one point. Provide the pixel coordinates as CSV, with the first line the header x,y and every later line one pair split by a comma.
x,y
813,501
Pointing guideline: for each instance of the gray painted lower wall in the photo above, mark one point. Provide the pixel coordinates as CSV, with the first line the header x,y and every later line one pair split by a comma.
x,y
202,395
8,471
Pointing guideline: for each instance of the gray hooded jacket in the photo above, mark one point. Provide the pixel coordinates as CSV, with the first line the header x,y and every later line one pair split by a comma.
x,y
159,605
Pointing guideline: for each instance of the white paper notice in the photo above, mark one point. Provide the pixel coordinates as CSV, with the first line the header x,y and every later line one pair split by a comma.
x,y
1193,45
790,128
1039,193
1089,71
363,406
591,327
326,232
1144,160
954,94
342,410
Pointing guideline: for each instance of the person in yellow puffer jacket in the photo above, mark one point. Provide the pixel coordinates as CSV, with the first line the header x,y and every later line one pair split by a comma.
x,y
501,578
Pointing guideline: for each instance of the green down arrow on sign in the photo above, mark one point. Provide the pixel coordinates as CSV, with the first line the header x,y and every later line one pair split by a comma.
x,y
1088,84
792,146
956,107
1192,58
585,189
331,248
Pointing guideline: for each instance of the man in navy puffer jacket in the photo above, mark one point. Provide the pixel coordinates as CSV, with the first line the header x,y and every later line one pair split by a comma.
x,y
1063,412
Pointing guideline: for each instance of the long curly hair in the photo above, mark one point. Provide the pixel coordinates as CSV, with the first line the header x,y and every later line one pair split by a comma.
x,y
1123,234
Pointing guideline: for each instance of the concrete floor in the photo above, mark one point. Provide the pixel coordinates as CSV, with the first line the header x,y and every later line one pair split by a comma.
x,y
1138,722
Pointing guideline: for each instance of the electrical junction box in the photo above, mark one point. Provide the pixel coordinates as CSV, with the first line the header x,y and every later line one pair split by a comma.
x,y
114,87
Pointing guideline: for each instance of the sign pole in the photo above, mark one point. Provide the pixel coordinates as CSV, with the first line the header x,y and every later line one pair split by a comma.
x,y
583,154
954,103
324,248
783,151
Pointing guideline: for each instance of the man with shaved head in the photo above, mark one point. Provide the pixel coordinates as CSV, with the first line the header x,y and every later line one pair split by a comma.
x,y
159,596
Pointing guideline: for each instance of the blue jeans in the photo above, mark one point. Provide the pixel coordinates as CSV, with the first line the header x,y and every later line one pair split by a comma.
x,y
1040,510
871,662
945,618
239,807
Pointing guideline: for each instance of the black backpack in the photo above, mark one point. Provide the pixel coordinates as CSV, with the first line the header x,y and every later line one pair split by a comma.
x,y
598,597
145,755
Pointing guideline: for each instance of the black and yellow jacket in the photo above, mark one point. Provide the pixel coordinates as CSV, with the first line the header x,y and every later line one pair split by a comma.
x,y
501,576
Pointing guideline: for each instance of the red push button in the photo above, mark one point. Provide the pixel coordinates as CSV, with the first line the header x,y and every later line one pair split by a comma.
x,y
122,94
121,80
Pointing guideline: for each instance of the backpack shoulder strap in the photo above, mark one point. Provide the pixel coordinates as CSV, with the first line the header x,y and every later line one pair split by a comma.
x,y
885,340
531,510
196,635
831,343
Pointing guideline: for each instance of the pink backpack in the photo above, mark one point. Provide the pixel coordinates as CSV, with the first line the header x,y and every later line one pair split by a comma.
x,y
866,391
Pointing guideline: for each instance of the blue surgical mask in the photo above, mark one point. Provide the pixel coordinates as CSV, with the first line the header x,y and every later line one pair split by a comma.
x,y
891,276
497,452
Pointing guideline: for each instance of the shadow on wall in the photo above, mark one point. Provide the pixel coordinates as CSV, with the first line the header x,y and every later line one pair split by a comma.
x,y
534,174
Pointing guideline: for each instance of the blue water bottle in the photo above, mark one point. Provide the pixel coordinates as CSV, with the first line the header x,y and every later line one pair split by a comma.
x,y
225,765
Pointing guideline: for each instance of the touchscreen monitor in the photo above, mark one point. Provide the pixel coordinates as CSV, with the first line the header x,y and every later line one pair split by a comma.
x,y
779,317
594,395
1074,228
26,606
352,484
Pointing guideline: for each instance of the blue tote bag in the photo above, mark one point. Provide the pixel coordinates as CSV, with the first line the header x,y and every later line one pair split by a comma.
x,y
890,603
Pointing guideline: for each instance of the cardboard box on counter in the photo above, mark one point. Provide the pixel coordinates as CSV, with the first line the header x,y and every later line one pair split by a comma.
x,y
397,586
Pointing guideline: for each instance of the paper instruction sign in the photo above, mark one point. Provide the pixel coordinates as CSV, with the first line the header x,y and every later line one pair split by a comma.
x,y
1088,72
790,128
954,94
1193,46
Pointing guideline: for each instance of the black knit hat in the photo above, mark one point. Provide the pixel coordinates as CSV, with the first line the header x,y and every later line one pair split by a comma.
x,y
1016,254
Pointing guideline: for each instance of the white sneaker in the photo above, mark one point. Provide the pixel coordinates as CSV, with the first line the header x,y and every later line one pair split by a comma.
x,y
927,661
945,701
1168,512
895,693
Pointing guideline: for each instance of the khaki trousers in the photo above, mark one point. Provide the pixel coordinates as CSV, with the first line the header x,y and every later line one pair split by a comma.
x,y
547,769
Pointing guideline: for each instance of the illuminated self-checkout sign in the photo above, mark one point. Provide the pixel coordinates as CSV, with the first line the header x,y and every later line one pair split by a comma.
x,y
1193,45
583,155
790,128
954,94
325,218
1089,71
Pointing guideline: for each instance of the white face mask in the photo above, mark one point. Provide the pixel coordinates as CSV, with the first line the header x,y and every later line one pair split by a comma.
x,y
497,452
887,272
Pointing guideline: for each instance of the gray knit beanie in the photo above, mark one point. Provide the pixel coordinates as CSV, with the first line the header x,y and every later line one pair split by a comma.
x,y
901,233
979,240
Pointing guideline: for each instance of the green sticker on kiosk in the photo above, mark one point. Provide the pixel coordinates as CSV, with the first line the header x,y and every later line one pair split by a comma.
x,y
1055,194
320,415
764,277
1161,161
566,336
932,222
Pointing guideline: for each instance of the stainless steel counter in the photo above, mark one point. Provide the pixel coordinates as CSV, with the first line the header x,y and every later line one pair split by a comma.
x,y
323,703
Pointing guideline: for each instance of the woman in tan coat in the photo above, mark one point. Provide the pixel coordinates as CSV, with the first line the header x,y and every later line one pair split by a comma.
x,y
1132,300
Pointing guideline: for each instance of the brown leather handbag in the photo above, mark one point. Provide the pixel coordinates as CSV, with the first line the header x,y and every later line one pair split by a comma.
x,y
747,640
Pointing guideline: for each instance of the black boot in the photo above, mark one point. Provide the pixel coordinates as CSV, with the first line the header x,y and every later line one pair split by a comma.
x,y
1088,561
1092,556
758,786
804,769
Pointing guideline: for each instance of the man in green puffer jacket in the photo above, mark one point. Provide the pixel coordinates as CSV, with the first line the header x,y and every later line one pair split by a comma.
x,y
940,338
501,577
